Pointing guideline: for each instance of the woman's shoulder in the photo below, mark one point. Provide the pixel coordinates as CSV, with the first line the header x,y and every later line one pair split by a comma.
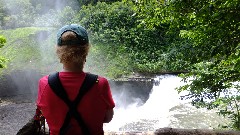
x,y
98,76
102,78
44,79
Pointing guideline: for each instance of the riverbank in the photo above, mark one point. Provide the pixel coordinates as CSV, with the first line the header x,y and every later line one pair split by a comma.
x,y
14,115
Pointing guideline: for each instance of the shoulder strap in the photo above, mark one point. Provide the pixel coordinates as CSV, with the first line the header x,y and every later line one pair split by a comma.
x,y
88,82
58,89
56,85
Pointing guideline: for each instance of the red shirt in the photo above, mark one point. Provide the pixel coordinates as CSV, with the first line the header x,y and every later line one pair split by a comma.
x,y
92,107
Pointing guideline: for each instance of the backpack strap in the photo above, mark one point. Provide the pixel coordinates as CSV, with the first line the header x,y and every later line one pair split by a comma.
x,y
56,86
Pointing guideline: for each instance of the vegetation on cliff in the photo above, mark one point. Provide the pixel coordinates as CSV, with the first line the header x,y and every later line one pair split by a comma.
x,y
2,59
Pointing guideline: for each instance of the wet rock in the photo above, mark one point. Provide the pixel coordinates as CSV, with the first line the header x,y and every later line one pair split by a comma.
x,y
142,125
19,83
175,131
14,116
134,91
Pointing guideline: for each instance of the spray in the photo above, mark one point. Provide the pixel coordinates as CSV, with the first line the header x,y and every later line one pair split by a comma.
x,y
164,108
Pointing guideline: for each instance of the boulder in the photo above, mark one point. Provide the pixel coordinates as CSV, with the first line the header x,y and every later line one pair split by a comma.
x,y
175,131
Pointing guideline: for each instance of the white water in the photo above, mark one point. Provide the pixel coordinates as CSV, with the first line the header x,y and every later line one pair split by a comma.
x,y
162,109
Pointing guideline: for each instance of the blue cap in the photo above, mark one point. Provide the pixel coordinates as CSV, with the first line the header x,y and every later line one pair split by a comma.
x,y
81,33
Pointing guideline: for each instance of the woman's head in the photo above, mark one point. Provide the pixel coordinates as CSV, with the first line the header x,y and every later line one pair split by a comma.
x,y
72,45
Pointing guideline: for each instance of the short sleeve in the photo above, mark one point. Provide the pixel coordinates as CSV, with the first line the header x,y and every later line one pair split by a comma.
x,y
41,86
107,94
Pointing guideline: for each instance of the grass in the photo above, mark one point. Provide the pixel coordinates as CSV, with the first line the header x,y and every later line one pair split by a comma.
x,y
33,47
23,48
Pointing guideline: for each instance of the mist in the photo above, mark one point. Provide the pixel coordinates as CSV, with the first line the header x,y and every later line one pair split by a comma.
x,y
20,78
22,81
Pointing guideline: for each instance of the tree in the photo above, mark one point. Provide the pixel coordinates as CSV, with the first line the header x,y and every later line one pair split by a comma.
x,y
214,30
17,13
211,29
117,24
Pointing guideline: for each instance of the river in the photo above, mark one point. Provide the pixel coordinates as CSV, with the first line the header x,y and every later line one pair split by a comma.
x,y
162,109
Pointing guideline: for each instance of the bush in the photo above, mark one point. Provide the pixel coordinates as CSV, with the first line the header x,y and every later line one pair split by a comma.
x,y
117,24
2,59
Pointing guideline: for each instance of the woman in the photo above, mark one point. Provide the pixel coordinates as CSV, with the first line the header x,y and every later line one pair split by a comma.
x,y
96,106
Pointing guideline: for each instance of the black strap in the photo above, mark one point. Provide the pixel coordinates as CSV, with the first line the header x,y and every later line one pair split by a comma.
x,y
56,86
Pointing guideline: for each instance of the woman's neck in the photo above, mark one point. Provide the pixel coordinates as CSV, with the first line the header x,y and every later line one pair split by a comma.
x,y
71,68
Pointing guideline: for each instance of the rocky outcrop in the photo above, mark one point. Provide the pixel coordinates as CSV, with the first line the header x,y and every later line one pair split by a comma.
x,y
14,116
174,131
132,91
19,83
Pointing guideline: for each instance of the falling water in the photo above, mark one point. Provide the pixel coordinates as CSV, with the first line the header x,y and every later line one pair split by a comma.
x,y
162,109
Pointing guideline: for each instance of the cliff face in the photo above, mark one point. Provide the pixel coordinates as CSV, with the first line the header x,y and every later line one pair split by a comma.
x,y
19,83
126,92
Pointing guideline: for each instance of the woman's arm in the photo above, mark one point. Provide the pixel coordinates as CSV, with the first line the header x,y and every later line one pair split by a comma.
x,y
108,116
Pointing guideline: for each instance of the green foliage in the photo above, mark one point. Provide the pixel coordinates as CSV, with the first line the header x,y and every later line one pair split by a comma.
x,y
213,29
212,26
2,41
50,19
25,49
102,60
42,7
107,28
113,24
66,15
176,53
94,2
214,86
27,13
2,59
17,13
117,24
205,38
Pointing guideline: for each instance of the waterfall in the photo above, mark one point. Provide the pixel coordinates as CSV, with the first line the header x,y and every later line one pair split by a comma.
x,y
163,109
